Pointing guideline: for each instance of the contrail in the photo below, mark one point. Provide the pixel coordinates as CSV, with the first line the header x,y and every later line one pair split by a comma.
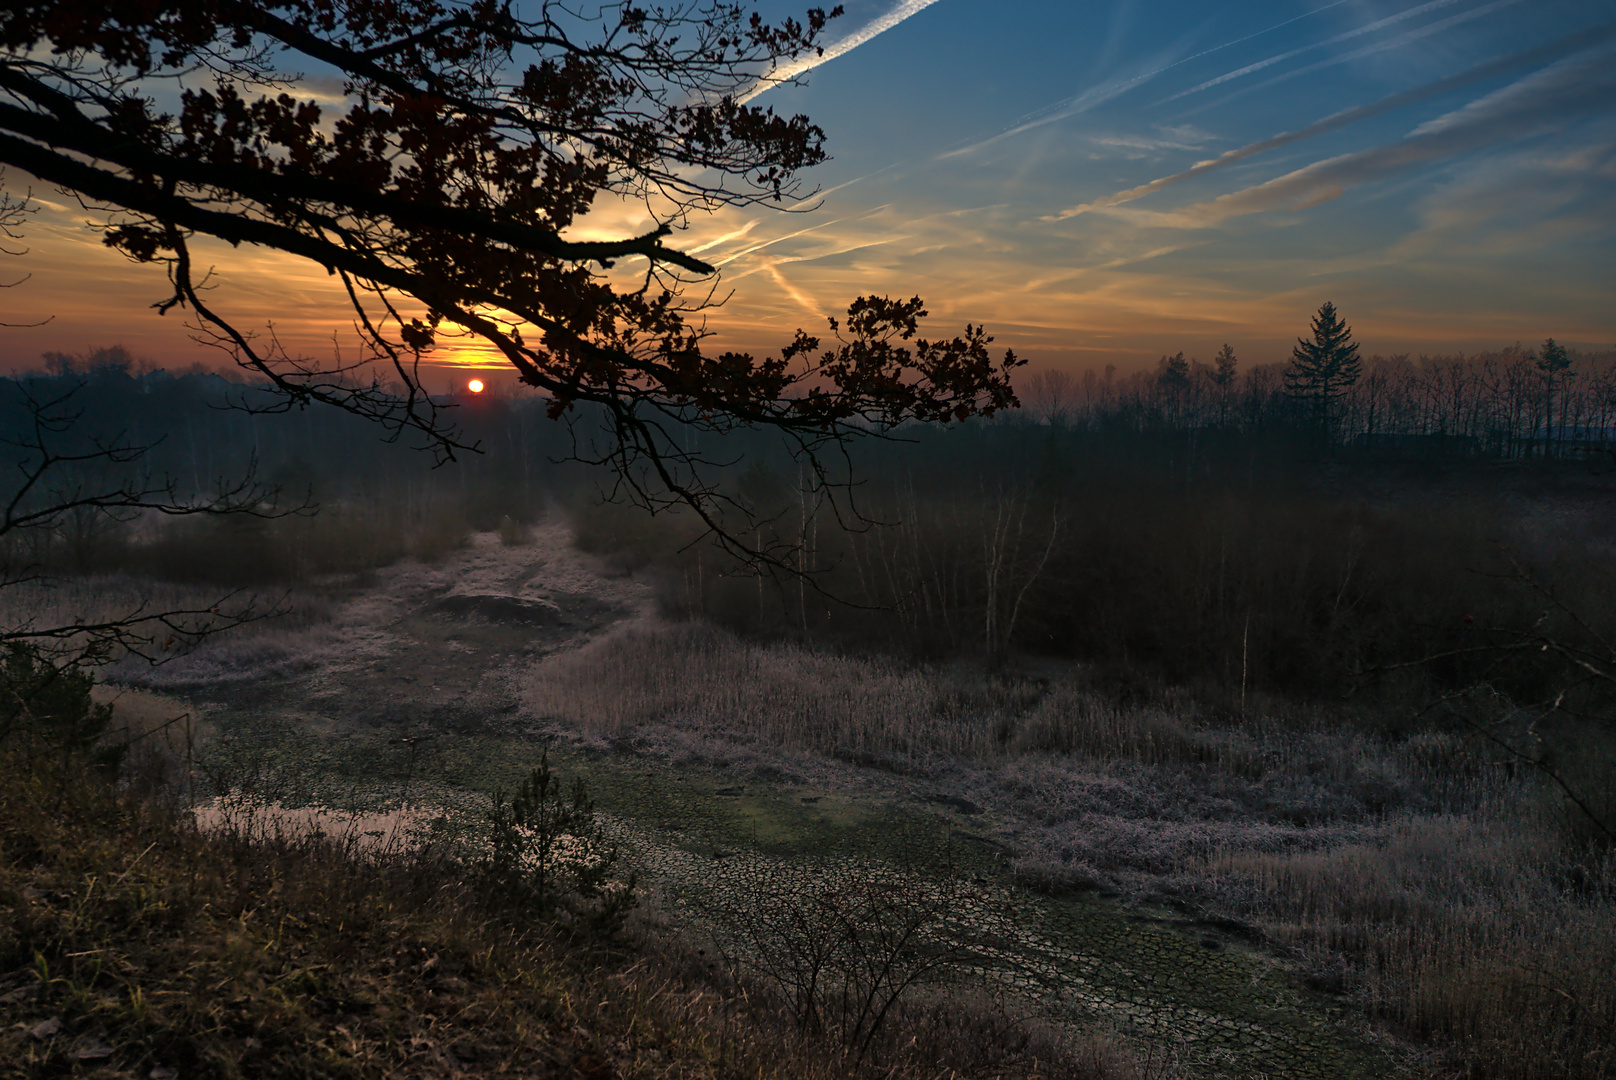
x,y
1368,28
792,291
726,260
879,25
1550,51
1106,91
733,234
1398,42
1540,101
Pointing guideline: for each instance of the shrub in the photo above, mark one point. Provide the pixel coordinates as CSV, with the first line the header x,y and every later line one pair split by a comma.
x,y
46,706
842,947
547,852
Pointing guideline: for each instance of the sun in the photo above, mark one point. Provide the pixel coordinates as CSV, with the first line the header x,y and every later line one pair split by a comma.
x,y
475,386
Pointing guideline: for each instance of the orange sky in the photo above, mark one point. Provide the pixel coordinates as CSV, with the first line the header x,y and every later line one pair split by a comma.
x,y
1092,187
1126,314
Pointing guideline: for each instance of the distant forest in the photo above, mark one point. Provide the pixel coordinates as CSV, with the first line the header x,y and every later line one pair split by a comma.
x,y
1506,404
1166,528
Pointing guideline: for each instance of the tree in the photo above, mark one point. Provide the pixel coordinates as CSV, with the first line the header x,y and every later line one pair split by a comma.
x,y
1553,360
61,480
1173,373
64,481
472,136
1324,369
1226,368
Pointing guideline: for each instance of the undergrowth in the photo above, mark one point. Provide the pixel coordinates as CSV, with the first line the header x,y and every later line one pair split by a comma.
x,y
1416,869
133,943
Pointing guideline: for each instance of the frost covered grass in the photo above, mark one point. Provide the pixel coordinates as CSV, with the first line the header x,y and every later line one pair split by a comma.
x,y
132,943
1421,873
359,834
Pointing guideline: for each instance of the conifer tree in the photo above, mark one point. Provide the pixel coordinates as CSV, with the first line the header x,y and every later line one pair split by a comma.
x,y
1325,368
1552,361
1226,368
1173,373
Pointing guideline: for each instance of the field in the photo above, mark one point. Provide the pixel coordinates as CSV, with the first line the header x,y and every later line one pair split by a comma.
x,y
1285,893
1084,751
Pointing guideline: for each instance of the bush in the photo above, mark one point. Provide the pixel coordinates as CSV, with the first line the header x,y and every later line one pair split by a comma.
x,y
46,707
843,947
548,853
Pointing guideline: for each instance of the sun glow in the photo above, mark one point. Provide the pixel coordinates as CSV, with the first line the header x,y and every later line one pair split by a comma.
x,y
475,386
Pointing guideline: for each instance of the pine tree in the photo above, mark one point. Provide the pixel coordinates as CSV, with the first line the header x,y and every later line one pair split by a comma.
x,y
1324,369
1226,369
1553,360
1173,373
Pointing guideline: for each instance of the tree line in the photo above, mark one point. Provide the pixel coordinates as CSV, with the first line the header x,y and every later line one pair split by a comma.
x,y
1515,402
110,464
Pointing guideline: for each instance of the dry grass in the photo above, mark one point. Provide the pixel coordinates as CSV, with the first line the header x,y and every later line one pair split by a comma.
x,y
692,675
133,944
288,630
697,676
161,735
1434,883
1462,930
377,835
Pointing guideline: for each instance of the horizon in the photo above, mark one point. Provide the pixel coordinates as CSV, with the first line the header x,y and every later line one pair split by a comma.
x,y
1096,187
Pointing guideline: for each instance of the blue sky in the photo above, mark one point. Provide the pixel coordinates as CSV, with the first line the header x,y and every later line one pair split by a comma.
x,y
1108,182
1450,182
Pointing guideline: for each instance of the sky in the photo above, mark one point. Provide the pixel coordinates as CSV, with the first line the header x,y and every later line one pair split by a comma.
x,y
1097,183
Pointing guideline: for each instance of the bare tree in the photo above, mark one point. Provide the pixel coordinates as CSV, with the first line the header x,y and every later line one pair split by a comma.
x,y
63,480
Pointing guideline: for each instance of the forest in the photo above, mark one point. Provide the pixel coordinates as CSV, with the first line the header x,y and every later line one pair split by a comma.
x,y
1325,688
869,706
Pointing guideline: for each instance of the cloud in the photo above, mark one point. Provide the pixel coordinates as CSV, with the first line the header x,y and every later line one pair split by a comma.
x,y
727,259
803,64
1429,30
802,299
1561,197
1088,99
1112,88
1368,28
733,234
1538,102
1142,143
1349,116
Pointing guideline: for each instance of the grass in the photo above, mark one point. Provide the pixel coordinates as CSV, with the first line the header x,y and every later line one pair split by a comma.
x,y
1436,884
1405,865
133,943
1463,931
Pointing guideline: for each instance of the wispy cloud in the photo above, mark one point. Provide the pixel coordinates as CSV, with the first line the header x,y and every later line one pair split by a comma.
x,y
725,260
733,234
1367,28
1088,99
1350,116
878,25
1562,91
1113,88
801,298
1400,41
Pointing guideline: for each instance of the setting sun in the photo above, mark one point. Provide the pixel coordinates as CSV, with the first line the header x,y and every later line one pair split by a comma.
x,y
475,386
